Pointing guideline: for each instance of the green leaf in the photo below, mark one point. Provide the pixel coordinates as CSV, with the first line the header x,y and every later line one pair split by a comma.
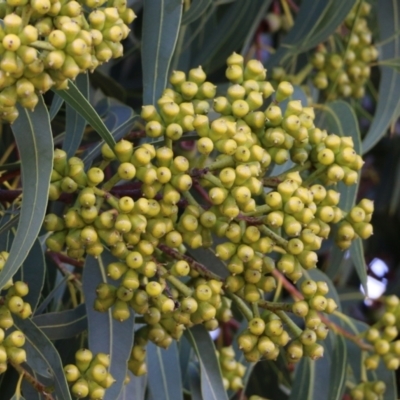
x,y
388,106
338,369
315,22
303,385
47,353
33,272
164,372
78,102
389,377
196,10
208,258
229,33
34,140
212,387
56,104
62,324
357,255
161,23
194,382
75,124
116,338
135,389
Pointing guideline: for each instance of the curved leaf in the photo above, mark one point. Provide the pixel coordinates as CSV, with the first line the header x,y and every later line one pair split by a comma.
x,y
338,369
194,382
62,324
388,108
303,385
33,272
116,338
56,104
196,10
35,144
357,255
78,102
161,23
212,387
164,368
47,353
135,389
315,22
75,124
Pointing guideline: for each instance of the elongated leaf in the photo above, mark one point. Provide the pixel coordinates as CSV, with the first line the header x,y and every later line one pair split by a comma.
x,y
48,354
229,33
75,124
338,369
33,272
135,389
389,377
210,372
303,385
161,23
388,108
315,22
35,144
357,255
62,324
195,383
116,338
78,102
56,104
196,10
164,368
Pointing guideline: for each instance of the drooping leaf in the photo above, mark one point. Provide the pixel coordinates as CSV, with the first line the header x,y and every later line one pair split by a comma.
x,y
62,324
315,22
33,272
388,108
357,255
34,140
75,124
56,104
161,23
338,369
47,353
116,338
196,10
80,103
210,373
163,366
303,385
135,389
194,382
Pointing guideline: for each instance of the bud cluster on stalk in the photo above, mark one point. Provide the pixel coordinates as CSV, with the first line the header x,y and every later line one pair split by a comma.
x,y
265,225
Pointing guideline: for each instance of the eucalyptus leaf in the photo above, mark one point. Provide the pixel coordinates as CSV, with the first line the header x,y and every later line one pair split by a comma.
x,y
75,124
212,387
63,324
116,338
47,353
56,104
388,108
80,103
164,368
161,23
196,10
338,369
34,140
